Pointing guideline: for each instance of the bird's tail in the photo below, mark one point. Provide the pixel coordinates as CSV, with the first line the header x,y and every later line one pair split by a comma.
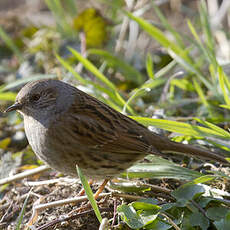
x,y
194,151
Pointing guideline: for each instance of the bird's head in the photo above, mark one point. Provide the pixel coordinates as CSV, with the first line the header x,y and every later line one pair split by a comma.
x,y
40,99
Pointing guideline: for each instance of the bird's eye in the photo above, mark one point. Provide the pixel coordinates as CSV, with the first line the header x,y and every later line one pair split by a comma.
x,y
34,97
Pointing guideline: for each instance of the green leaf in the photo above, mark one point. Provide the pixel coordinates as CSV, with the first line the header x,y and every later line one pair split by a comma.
x,y
130,216
199,220
157,224
217,213
184,84
187,192
159,168
146,206
223,224
160,37
138,214
199,44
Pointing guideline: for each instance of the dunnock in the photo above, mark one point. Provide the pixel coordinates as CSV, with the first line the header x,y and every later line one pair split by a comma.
x,y
67,127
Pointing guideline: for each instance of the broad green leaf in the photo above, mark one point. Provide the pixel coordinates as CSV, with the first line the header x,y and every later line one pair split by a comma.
x,y
146,206
159,168
187,192
130,216
223,224
217,213
199,220
158,225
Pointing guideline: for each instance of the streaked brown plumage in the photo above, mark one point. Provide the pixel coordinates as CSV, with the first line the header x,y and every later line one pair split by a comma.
x,y
66,126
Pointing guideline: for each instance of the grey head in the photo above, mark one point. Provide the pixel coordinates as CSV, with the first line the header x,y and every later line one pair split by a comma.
x,y
43,98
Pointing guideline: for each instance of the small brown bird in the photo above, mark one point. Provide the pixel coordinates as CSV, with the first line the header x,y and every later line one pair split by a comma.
x,y
67,127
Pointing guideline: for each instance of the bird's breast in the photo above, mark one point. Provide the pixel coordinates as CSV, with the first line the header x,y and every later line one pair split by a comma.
x,y
36,134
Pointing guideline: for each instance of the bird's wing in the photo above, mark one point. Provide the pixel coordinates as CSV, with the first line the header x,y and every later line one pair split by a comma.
x,y
100,128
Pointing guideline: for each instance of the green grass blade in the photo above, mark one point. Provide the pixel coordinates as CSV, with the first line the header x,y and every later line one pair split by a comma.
x,y
224,83
205,25
149,66
199,43
165,69
22,211
89,66
146,87
180,127
178,53
200,93
168,27
9,42
89,194
60,15
216,128
127,70
160,37
192,68
25,80
70,6
8,96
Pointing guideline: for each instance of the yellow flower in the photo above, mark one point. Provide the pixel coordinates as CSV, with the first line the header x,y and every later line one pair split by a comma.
x,y
93,25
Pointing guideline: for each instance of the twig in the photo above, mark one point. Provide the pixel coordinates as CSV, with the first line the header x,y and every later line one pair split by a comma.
x,y
41,207
25,174
66,218
194,203
127,196
156,188
62,180
171,221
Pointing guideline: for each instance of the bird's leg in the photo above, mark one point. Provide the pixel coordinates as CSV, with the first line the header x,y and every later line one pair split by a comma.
x,y
102,186
82,191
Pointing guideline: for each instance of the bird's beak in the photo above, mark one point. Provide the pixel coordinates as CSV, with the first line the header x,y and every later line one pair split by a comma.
x,y
15,106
